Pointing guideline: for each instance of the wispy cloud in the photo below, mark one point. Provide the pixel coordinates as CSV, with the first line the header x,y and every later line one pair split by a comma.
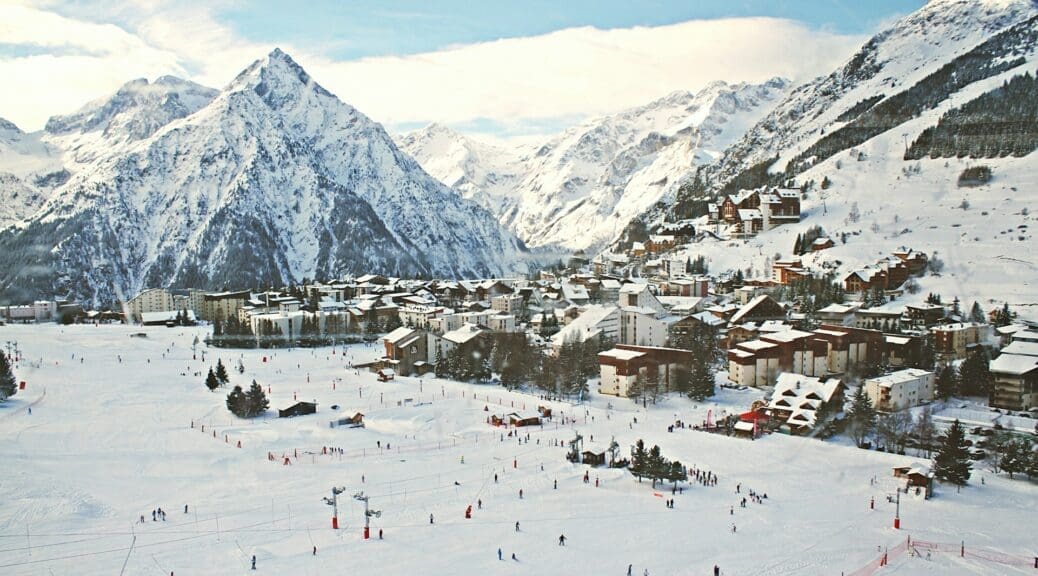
x,y
508,88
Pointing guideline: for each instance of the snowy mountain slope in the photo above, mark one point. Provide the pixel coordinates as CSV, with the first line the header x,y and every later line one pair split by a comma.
x,y
273,180
29,169
481,172
137,110
838,129
581,188
891,62
584,186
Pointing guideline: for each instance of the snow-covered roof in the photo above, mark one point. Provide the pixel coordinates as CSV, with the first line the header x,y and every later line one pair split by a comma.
x,y
897,340
398,334
622,354
574,292
750,214
792,391
610,284
464,334
1022,348
748,307
789,335
1014,364
755,345
839,308
633,288
901,376
587,325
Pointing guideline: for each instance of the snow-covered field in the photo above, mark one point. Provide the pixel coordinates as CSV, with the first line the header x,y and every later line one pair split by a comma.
x,y
108,441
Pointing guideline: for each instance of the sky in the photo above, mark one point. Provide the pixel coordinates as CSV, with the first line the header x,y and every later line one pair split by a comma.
x,y
503,70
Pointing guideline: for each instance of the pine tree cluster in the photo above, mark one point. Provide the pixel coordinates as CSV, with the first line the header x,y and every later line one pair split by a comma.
x,y
651,464
8,382
247,404
996,55
999,123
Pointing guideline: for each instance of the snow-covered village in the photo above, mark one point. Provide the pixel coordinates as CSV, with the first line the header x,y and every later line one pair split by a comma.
x,y
773,313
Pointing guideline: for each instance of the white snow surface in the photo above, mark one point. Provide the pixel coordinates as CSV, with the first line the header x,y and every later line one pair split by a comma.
x,y
109,441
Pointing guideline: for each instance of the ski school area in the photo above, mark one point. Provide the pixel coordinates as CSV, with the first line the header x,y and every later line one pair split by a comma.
x,y
122,426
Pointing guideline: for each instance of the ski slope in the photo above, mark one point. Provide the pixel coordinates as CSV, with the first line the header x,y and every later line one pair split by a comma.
x,y
108,441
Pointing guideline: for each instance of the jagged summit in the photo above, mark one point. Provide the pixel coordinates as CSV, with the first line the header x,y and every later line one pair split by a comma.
x,y
8,126
277,78
269,181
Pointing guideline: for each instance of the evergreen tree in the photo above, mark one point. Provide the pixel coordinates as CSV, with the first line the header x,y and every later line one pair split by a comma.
x,y
237,403
1012,454
8,383
1032,464
798,246
656,466
975,378
952,463
221,372
977,314
956,309
639,460
861,417
211,381
947,384
701,379
256,401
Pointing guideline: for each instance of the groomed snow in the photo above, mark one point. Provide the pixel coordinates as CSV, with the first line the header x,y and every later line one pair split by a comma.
x,y
110,441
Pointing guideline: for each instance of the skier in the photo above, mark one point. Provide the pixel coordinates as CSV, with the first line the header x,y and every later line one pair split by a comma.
x,y
629,568
185,508
30,410
555,484
253,561
562,539
514,558
516,526
479,504
152,515
315,550
430,518
717,571
520,493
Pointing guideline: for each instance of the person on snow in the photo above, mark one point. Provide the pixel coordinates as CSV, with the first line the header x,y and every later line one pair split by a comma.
x,y
516,526
629,568
514,558
562,539
253,561
717,571
499,554
520,493
430,518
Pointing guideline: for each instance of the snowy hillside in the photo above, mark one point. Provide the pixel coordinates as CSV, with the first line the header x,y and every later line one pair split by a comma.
x,y
93,457
580,189
851,129
29,169
272,180
891,62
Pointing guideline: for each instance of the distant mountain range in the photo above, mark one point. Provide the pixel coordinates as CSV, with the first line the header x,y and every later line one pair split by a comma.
x,y
578,190
268,181
273,179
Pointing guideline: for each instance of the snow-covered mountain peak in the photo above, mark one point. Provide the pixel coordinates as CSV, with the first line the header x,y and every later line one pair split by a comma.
x,y
580,188
277,79
8,126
